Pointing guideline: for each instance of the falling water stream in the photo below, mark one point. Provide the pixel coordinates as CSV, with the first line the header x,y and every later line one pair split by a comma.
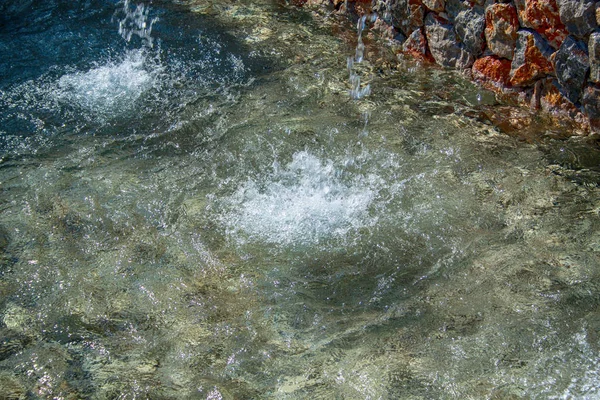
x,y
196,202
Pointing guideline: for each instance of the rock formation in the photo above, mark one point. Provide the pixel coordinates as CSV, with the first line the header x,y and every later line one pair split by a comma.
x,y
547,51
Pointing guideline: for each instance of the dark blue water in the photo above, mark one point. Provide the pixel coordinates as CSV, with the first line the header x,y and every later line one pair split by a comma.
x,y
65,69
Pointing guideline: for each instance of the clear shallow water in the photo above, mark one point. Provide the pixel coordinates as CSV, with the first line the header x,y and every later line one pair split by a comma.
x,y
213,216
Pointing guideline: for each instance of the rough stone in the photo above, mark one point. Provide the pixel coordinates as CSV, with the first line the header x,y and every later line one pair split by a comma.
x,y
492,69
594,54
453,7
598,13
435,5
571,65
531,60
591,105
416,45
579,16
469,26
501,27
407,15
444,45
543,17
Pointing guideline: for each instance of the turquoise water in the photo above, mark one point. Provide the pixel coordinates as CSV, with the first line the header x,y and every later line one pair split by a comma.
x,y
197,206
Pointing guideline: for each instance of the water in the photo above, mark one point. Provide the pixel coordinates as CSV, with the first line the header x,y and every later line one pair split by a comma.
x,y
194,205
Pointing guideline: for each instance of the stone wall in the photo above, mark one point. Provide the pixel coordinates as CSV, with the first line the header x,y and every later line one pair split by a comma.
x,y
545,51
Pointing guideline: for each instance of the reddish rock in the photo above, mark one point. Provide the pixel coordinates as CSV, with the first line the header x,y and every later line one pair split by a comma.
x,y
598,13
407,15
501,26
416,46
532,59
435,5
493,70
543,17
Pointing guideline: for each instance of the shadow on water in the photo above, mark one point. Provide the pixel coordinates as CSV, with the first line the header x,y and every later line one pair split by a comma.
x,y
67,71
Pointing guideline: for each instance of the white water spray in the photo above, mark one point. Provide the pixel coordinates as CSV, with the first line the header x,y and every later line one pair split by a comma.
x,y
302,203
108,89
114,87
356,90
135,21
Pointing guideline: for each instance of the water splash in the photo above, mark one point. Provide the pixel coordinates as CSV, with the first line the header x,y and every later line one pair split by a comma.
x,y
113,88
357,91
307,201
110,89
135,21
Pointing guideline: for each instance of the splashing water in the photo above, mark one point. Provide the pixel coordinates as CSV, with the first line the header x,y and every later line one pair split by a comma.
x,y
135,21
303,203
356,90
109,89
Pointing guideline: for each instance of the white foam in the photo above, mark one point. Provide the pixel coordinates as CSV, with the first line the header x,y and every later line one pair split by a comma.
x,y
111,88
302,203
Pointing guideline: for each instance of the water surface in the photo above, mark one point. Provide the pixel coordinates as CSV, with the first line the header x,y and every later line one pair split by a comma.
x,y
197,206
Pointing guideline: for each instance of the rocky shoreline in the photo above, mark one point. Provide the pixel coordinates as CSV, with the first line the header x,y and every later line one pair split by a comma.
x,y
543,54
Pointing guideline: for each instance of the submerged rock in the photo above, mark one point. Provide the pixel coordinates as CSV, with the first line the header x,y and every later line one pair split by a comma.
x,y
501,27
4,240
572,65
11,388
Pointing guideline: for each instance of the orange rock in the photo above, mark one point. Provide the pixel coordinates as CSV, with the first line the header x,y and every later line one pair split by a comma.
x,y
532,59
501,26
552,99
416,46
543,17
492,69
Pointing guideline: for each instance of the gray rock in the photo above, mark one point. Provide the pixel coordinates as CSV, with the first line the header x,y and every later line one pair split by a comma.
x,y
571,65
407,15
579,16
469,26
594,54
591,106
454,7
435,5
444,45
